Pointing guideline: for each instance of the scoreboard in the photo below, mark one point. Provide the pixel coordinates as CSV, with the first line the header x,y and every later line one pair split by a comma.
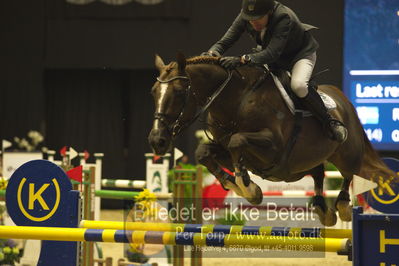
x,y
371,67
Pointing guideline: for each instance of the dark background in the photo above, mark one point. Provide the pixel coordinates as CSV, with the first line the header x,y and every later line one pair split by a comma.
x,y
374,28
371,43
81,75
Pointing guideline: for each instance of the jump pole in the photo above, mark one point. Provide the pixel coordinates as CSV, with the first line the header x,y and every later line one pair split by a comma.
x,y
167,238
299,193
123,183
225,229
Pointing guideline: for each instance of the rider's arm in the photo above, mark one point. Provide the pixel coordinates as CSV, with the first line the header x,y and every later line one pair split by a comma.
x,y
277,43
230,37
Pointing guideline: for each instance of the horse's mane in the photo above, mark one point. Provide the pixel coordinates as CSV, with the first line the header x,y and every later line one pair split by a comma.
x,y
195,60
209,60
203,60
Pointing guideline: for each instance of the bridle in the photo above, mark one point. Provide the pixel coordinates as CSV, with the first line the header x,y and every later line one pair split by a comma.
x,y
178,125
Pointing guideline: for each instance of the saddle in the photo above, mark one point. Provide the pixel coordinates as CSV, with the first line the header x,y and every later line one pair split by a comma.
x,y
282,79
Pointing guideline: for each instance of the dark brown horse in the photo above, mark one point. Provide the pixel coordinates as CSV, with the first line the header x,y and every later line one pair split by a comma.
x,y
252,126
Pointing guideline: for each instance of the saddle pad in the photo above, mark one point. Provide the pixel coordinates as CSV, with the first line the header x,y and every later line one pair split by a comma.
x,y
328,101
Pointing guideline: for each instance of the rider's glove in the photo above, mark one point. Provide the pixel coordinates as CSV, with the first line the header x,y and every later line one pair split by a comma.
x,y
230,62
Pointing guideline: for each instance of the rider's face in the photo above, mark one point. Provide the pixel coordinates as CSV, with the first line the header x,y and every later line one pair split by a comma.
x,y
261,23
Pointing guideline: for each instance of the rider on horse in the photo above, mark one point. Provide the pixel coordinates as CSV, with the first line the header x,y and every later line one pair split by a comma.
x,y
283,43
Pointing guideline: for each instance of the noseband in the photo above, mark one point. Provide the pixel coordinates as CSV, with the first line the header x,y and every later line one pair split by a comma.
x,y
177,125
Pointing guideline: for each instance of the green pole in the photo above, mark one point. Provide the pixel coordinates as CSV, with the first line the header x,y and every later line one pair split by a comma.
x,y
127,195
115,194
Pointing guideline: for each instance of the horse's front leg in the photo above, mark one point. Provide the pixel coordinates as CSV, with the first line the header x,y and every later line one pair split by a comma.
x,y
214,157
256,144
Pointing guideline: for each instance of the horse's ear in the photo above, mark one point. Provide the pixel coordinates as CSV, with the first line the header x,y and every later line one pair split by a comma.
x,y
159,62
181,61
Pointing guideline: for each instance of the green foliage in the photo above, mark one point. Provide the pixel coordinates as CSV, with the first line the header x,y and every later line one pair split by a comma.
x,y
9,252
2,210
330,167
188,166
333,183
184,166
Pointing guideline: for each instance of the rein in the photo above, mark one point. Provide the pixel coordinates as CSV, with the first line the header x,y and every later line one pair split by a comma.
x,y
178,125
172,79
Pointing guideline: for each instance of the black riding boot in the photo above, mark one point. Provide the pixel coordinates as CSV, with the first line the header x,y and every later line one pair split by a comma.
x,y
315,105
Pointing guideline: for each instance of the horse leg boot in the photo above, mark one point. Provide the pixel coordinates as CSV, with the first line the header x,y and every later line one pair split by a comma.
x,y
213,156
245,186
312,101
326,215
342,204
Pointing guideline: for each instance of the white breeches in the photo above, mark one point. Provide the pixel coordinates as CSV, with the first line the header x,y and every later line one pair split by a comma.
x,y
301,74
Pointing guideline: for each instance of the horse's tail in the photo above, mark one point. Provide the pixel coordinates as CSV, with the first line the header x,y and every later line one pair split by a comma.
x,y
372,165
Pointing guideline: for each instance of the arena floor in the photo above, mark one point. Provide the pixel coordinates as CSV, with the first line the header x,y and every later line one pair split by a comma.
x,y
115,251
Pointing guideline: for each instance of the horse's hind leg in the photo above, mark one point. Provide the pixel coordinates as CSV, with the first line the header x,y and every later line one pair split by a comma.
x,y
348,162
342,204
326,215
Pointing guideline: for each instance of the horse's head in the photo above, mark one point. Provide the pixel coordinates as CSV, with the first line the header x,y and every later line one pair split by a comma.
x,y
171,94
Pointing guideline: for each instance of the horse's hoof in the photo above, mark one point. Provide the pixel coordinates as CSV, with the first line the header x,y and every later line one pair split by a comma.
x,y
252,192
228,185
258,198
328,218
344,210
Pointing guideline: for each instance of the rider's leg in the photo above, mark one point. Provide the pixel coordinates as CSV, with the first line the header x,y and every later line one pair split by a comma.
x,y
300,76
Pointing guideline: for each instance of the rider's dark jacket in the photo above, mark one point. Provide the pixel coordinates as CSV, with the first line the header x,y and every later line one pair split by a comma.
x,y
286,39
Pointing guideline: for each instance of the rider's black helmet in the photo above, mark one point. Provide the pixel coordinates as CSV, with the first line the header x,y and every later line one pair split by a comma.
x,y
256,9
